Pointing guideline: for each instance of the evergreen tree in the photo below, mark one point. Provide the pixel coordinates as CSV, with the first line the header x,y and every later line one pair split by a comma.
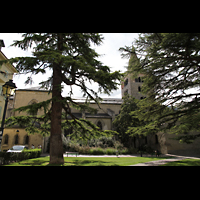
x,y
127,121
73,62
171,65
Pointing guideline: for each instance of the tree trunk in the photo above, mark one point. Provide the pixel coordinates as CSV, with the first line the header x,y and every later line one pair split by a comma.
x,y
56,146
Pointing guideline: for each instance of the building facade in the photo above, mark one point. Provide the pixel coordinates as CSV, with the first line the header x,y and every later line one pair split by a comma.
x,y
109,108
6,72
17,135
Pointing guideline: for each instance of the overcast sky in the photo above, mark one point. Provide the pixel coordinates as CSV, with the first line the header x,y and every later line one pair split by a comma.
x,y
109,51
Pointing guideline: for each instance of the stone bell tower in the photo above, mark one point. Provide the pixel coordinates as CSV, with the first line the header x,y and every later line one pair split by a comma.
x,y
132,86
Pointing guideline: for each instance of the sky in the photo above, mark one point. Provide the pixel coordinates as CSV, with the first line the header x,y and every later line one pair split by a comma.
x,y
109,51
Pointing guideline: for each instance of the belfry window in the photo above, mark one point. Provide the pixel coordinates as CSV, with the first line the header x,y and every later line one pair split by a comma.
x,y
126,82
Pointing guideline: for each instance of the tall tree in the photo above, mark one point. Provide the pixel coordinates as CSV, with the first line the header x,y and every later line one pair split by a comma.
x,y
126,119
171,65
73,62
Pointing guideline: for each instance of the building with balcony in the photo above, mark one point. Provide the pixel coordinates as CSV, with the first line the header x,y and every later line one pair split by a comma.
x,y
6,72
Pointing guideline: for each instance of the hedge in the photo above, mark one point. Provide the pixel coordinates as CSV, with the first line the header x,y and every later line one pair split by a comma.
x,y
16,157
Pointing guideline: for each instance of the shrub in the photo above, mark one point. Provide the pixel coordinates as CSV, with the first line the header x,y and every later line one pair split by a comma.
x,y
110,151
124,151
24,155
85,150
96,151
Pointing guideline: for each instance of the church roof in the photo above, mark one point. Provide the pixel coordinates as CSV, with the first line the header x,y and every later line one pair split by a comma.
x,y
104,101
38,88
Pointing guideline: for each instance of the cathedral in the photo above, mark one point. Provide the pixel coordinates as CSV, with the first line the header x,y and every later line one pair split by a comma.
x,y
109,109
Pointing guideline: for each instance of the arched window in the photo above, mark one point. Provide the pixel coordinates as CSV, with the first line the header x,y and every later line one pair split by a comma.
x,y
6,139
32,111
139,89
26,139
99,124
16,139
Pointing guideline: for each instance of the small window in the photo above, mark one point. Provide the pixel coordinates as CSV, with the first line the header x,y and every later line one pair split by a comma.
x,y
136,80
6,139
16,139
139,79
139,89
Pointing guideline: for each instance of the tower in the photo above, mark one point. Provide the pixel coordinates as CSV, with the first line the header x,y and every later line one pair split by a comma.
x,y
132,86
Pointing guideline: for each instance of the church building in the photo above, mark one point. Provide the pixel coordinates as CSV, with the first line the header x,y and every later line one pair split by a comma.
x,y
109,109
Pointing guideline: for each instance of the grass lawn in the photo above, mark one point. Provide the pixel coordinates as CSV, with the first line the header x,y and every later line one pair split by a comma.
x,y
185,162
87,161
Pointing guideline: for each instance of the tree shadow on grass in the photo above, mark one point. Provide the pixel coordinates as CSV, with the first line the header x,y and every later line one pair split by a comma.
x,y
92,163
77,162
35,162
184,163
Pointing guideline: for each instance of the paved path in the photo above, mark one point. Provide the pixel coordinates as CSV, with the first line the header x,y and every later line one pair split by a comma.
x,y
162,162
73,155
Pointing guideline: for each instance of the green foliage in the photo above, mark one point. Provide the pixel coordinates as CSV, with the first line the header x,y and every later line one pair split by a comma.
x,y
73,62
170,63
24,155
99,146
127,122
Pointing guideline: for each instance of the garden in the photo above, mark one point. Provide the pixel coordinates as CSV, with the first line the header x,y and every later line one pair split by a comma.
x,y
102,146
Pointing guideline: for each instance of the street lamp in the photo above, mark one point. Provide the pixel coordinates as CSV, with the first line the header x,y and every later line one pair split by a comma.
x,y
8,88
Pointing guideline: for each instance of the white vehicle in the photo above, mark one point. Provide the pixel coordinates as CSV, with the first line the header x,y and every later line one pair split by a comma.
x,y
17,149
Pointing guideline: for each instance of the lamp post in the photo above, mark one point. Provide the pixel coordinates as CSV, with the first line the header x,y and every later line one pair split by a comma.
x,y
8,87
